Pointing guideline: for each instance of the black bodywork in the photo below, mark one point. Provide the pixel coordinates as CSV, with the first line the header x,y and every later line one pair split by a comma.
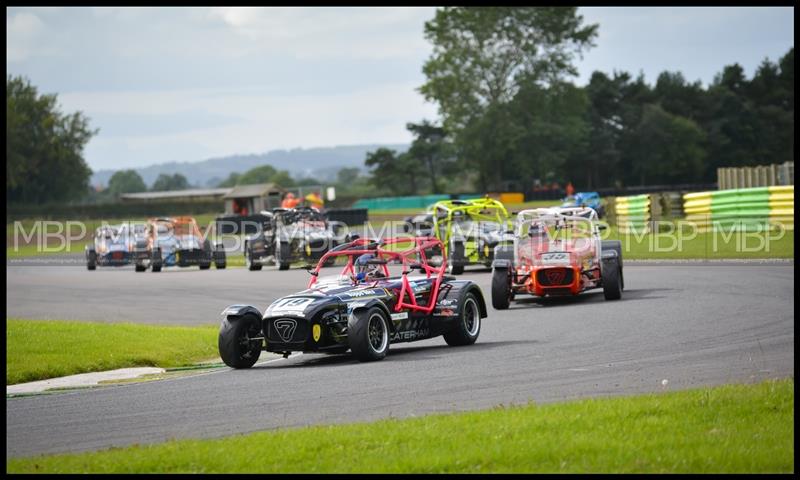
x,y
288,323
289,235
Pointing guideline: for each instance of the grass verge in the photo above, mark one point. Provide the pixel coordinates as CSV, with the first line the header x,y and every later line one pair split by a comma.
x,y
41,349
732,428
706,245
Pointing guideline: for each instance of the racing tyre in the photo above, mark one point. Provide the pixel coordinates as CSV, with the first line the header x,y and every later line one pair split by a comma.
x,y
617,246
612,279
220,258
469,323
91,260
235,347
157,261
501,289
140,268
458,252
282,255
368,335
248,260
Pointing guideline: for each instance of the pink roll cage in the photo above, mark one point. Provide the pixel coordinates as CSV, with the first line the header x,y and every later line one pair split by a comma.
x,y
408,258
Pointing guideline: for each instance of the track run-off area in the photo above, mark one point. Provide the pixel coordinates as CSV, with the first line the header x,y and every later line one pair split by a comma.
x,y
691,323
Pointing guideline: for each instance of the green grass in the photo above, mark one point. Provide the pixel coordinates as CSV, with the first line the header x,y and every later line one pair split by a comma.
x,y
40,349
732,428
709,245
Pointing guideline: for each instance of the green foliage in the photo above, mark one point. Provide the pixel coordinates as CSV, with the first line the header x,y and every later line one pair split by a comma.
x,y
398,174
166,183
262,174
44,147
125,181
498,76
724,429
432,149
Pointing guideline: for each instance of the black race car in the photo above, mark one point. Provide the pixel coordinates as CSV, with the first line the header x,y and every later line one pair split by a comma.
x,y
364,309
287,235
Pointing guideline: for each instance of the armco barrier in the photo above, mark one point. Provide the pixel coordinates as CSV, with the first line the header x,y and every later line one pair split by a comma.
x,y
419,202
632,213
743,208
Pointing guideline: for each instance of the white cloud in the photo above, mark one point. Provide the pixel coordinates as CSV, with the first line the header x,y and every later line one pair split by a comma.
x,y
315,32
269,121
22,33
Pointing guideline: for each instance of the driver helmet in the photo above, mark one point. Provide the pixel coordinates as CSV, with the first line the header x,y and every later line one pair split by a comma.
x,y
537,230
366,272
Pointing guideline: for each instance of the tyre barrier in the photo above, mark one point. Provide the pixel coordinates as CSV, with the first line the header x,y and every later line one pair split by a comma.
x,y
633,213
749,209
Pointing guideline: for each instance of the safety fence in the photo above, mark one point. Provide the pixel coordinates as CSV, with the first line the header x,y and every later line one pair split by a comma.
x,y
632,213
741,209
420,202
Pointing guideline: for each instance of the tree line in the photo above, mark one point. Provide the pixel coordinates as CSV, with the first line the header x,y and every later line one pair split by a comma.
x,y
511,118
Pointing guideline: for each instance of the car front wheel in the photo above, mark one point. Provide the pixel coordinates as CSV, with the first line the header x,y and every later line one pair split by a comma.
x,y
236,345
368,335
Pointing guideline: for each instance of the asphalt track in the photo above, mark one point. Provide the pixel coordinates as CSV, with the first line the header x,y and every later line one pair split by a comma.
x,y
693,324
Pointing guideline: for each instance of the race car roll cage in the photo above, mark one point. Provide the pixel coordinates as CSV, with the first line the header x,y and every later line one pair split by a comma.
x,y
474,209
406,257
558,216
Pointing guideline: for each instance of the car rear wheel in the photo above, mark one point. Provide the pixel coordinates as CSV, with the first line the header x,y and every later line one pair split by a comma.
x,y
368,335
236,345
612,279
457,253
91,260
616,245
248,260
220,258
157,261
283,255
469,323
501,289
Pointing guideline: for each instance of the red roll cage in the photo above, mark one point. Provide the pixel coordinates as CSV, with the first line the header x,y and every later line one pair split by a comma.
x,y
408,259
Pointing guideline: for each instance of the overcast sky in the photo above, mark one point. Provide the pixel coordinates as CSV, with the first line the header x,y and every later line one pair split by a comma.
x,y
186,84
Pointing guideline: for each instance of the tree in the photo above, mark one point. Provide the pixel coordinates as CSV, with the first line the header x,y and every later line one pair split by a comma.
x,y
44,147
262,174
231,181
347,175
432,149
392,172
166,183
481,58
668,149
125,181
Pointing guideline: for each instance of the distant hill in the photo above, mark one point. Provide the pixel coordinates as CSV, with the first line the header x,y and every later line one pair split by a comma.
x,y
319,163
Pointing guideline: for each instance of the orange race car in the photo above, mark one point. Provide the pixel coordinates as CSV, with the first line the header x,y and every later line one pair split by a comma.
x,y
556,251
176,241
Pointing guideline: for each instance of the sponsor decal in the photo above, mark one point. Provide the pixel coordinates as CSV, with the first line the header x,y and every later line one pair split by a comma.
x,y
286,305
410,334
316,331
363,293
556,276
446,302
399,316
446,312
286,328
556,257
